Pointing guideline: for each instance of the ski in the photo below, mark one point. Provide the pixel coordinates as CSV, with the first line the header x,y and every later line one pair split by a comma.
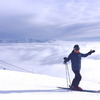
x,y
90,91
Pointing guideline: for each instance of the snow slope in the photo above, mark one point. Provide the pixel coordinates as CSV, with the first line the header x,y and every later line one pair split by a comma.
x,y
41,70
28,86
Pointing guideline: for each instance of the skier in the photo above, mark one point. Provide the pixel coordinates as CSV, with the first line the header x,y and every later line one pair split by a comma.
x,y
75,57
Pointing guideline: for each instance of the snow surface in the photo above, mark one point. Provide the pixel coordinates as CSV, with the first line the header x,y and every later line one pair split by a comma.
x,y
38,70
28,86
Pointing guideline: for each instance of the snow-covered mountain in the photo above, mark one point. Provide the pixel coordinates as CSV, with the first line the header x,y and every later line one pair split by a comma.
x,y
29,40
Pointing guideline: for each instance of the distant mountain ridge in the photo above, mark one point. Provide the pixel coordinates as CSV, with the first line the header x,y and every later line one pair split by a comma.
x,y
21,40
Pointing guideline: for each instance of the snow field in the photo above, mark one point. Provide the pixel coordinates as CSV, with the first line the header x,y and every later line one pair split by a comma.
x,y
19,85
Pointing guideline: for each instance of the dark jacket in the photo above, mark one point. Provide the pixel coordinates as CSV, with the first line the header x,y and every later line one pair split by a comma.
x,y
76,59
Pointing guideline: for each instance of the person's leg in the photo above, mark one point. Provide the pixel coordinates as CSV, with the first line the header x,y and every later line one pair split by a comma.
x,y
77,79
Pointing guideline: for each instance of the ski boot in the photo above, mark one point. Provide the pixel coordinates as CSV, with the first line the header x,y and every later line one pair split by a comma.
x,y
76,88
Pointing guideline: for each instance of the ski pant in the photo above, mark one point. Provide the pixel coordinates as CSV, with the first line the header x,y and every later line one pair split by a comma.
x,y
77,79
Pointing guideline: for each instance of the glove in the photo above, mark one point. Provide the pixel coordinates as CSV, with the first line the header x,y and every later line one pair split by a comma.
x,y
92,51
65,60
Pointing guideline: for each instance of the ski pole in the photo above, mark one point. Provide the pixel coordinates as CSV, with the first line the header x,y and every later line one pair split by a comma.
x,y
67,75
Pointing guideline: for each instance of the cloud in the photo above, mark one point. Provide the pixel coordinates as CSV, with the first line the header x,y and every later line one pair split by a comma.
x,y
49,19
81,31
51,11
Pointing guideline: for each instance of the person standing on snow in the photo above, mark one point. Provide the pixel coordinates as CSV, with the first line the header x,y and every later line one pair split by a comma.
x,y
75,57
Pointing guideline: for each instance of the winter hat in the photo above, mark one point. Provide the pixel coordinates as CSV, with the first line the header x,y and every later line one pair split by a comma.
x,y
76,47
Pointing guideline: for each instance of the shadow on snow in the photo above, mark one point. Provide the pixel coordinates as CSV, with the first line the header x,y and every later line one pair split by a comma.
x,y
42,91
29,91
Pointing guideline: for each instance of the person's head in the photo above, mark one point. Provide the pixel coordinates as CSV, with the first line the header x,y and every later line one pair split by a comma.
x,y
76,48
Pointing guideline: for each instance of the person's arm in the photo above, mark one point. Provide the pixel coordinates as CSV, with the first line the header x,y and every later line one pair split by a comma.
x,y
66,59
87,54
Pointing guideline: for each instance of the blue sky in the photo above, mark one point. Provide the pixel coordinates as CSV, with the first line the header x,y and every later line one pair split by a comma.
x,y
50,19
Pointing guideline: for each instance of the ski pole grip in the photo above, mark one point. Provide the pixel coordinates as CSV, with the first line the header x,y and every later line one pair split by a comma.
x,y
65,60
